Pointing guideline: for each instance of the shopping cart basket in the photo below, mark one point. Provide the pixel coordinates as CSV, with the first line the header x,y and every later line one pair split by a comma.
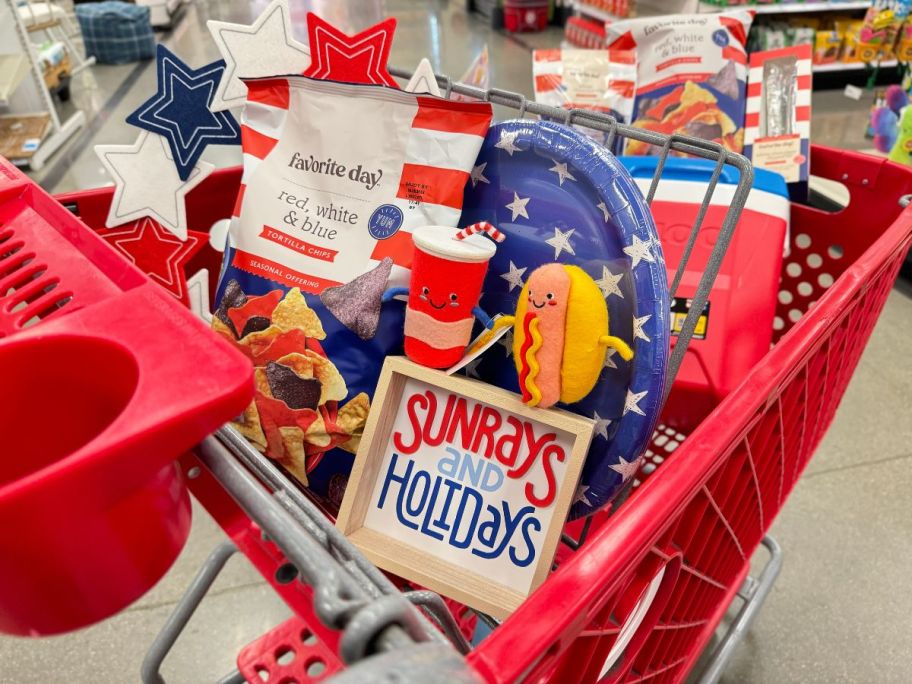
x,y
637,594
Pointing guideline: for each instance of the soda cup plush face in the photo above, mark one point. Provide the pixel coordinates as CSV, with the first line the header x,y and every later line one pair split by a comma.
x,y
443,289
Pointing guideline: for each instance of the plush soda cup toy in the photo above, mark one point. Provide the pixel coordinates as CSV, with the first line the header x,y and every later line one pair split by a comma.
x,y
448,270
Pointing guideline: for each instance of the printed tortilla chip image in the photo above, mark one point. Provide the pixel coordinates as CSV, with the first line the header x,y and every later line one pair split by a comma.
x,y
351,419
689,109
725,80
310,364
294,459
248,424
292,312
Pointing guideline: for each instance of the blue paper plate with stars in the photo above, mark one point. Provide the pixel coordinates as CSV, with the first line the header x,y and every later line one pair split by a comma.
x,y
559,196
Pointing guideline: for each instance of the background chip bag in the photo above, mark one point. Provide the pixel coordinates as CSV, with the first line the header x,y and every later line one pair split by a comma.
x,y
336,176
691,75
598,80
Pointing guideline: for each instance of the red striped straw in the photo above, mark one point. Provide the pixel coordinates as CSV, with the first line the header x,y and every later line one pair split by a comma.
x,y
481,227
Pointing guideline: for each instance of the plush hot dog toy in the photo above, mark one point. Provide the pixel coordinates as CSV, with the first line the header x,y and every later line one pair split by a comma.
x,y
560,335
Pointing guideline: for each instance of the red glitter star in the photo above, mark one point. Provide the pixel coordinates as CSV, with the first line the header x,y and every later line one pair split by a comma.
x,y
157,252
361,58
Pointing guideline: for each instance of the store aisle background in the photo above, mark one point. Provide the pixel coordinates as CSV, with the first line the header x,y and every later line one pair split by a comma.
x,y
840,611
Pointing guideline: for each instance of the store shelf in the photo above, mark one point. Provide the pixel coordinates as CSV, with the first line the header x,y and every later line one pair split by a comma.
x,y
594,12
851,66
791,7
13,69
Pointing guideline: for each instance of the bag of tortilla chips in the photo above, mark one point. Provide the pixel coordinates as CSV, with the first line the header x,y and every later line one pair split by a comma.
x,y
335,178
691,75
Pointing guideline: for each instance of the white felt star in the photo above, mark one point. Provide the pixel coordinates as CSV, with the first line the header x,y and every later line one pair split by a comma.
x,y
562,173
477,174
265,48
632,401
608,283
423,80
605,212
626,469
518,206
514,276
507,142
639,250
148,183
198,294
601,425
581,495
507,342
561,242
471,368
609,360
638,323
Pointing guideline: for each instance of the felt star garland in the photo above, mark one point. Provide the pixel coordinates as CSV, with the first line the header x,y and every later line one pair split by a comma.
x,y
179,110
265,48
361,58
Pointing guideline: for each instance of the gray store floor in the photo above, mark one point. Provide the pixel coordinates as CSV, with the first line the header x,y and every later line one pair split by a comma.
x,y
841,610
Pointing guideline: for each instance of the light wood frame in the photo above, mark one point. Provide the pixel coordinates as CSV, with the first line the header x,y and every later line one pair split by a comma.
x,y
416,564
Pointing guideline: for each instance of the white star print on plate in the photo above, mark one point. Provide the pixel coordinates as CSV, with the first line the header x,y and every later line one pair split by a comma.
x,y
605,212
518,206
265,48
507,342
608,283
638,323
514,276
507,142
632,402
626,469
148,183
561,242
562,173
477,176
609,358
581,495
638,250
601,425
471,368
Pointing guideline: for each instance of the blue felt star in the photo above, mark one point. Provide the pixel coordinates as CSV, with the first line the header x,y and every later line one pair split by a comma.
x,y
180,112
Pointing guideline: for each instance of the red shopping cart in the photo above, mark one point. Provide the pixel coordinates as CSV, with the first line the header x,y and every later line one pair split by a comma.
x,y
638,594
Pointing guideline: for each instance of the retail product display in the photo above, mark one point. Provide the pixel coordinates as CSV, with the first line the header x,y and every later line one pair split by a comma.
x,y
179,111
461,487
891,133
736,325
580,207
691,75
778,121
560,335
597,80
448,269
242,49
309,222
880,28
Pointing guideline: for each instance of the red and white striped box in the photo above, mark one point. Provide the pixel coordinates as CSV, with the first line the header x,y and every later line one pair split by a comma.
x,y
783,103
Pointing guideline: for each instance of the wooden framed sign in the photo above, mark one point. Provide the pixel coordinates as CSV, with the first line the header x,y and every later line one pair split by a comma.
x,y
460,487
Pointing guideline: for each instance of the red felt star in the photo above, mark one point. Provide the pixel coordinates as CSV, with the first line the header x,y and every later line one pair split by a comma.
x,y
361,58
157,252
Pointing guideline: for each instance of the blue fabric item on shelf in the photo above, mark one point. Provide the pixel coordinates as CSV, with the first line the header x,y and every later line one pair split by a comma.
x,y
116,32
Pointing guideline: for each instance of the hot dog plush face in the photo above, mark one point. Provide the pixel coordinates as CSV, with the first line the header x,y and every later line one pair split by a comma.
x,y
560,335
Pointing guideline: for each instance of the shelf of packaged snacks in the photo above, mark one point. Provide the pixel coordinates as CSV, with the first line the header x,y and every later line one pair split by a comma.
x,y
593,11
850,66
791,7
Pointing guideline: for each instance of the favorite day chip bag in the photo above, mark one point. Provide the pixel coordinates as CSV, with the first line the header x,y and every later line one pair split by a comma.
x,y
336,176
597,80
691,75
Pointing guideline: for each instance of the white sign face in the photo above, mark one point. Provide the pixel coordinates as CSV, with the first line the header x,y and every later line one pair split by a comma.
x,y
470,483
